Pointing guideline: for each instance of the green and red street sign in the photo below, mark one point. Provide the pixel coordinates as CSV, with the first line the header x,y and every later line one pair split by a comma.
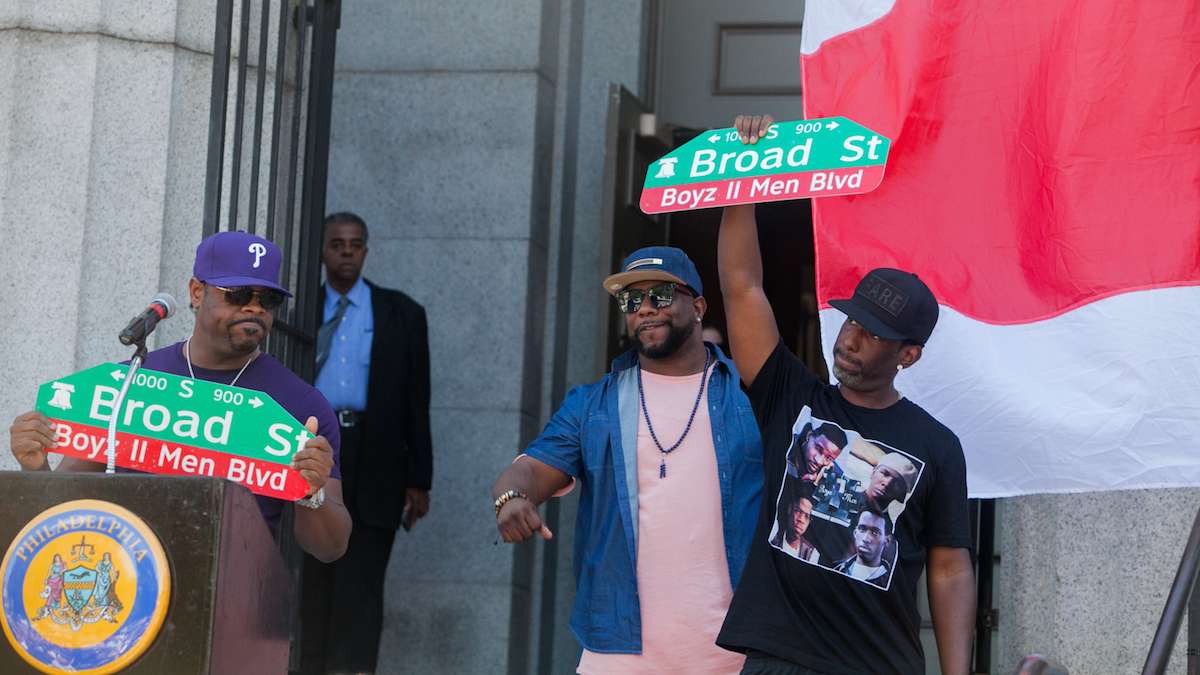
x,y
176,425
805,158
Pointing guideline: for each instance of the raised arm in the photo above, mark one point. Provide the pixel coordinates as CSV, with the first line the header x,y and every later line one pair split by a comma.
x,y
753,333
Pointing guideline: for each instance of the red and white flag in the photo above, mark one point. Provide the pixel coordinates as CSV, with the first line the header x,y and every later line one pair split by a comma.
x,y
1044,180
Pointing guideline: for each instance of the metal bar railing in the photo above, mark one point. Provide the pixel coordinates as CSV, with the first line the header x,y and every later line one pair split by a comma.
x,y
985,617
264,36
277,117
326,17
239,115
300,17
289,223
1177,603
1193,639
216,117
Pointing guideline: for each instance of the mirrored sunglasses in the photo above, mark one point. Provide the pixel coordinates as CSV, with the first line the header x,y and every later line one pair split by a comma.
x,y
629,300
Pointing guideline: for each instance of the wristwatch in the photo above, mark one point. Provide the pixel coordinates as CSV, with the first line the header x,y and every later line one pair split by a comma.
x,y
315,501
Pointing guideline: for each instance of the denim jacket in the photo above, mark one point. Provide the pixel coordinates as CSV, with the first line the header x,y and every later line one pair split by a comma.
x,y
593,438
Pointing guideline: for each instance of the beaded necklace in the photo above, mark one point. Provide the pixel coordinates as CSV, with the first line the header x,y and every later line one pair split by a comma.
x,y
662,467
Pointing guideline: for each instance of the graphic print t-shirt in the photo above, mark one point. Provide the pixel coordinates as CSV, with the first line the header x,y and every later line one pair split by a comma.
x,y
865,492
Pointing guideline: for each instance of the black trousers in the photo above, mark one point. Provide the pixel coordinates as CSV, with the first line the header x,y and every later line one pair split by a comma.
x,y
758,663
356,601
356,579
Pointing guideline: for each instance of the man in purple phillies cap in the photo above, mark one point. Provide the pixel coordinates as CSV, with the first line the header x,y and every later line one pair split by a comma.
x,y
234,292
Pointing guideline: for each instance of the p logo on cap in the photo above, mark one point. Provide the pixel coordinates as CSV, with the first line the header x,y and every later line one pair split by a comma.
x,y
259,251
238,259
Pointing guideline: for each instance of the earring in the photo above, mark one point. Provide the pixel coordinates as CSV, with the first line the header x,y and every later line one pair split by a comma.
x,y
899,367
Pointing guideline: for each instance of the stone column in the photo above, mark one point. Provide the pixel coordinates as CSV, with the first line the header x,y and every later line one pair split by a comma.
x,y
1085,577
443,131
102,142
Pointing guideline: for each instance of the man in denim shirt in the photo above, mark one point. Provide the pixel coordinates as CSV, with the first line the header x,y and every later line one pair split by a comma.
x,y
668,458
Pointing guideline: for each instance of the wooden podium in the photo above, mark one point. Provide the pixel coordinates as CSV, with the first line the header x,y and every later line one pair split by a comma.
x,y
230,600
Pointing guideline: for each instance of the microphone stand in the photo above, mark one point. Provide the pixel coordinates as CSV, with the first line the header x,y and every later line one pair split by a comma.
x,y
139,355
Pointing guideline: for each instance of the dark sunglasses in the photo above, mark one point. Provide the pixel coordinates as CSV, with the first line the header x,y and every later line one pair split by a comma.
x,y
662,295
240,296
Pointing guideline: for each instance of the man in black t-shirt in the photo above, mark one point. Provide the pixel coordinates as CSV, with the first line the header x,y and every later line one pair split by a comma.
x,y
890,503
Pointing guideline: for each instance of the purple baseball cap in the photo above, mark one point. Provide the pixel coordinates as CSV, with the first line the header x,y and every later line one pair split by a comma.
x,y
233,259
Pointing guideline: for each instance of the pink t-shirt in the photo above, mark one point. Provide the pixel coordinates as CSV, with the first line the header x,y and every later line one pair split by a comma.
x,y
682,572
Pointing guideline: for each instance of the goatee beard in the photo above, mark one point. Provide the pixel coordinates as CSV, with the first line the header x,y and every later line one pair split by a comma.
x,y
245,346
852,380
676,337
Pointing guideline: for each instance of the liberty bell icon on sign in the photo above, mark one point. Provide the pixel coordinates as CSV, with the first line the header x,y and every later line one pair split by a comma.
x,y
666,167
62,395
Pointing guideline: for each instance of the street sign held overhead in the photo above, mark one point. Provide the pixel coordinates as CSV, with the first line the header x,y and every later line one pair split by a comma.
x,y
805,158
171,424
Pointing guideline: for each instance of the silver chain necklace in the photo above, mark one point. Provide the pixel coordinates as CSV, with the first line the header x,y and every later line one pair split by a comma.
x,y
187,354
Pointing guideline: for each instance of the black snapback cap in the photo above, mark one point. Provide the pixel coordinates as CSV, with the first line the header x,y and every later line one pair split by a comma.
x,y
893,304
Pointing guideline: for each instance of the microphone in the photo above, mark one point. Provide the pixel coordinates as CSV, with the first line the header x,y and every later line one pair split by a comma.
x,y
161,307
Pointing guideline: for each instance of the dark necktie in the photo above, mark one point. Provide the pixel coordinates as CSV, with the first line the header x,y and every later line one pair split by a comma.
x,y
326,331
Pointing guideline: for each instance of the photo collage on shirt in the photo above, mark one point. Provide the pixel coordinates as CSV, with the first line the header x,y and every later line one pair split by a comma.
x,y
841,497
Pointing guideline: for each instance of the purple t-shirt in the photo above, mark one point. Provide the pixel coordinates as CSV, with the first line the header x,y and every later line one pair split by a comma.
x,y
268,375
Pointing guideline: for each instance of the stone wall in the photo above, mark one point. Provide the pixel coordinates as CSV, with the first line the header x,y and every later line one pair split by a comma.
x,y
103,127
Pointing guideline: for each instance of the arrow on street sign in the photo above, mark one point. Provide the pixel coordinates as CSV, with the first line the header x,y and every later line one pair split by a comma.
x,y
804,158
176,425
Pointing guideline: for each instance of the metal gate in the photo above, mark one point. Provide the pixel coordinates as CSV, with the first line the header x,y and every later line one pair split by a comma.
x,y
268,176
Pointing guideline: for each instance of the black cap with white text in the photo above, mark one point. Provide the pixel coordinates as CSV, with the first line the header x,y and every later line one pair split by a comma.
x,y
893,304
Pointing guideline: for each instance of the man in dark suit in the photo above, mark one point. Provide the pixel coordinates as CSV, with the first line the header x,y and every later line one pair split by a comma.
x,y
373,366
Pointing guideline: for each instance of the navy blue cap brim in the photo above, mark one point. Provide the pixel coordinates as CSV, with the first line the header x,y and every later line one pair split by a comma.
x,y
233,282
867,320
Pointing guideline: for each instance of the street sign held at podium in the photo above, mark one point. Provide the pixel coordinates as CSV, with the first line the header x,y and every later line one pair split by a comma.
x,y
171,424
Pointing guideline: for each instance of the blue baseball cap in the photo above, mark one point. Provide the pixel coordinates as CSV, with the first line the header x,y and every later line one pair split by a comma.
x,y
238,259
656,263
